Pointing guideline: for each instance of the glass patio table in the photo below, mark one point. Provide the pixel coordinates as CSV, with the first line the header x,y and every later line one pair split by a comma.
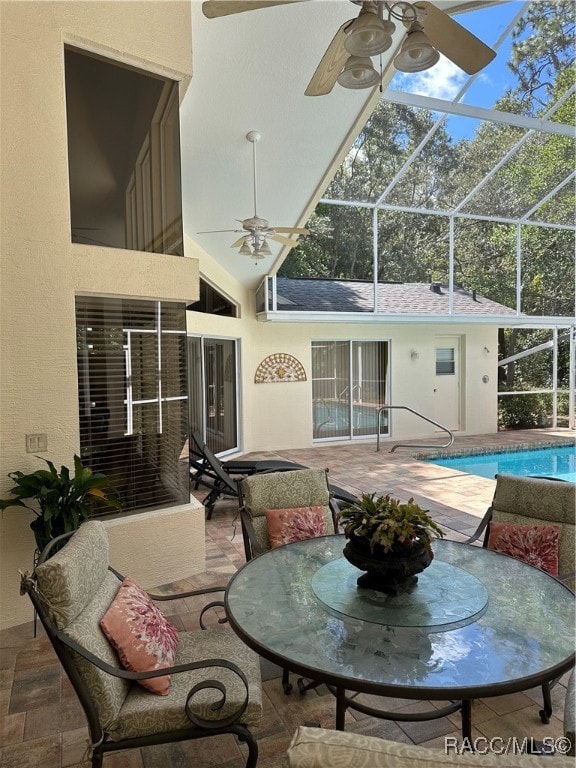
x,y
477,624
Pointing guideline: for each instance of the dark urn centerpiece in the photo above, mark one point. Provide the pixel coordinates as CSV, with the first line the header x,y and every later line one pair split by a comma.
x,y
388,540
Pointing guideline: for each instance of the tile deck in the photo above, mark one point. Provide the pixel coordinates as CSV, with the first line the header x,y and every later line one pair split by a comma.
x,y
42,724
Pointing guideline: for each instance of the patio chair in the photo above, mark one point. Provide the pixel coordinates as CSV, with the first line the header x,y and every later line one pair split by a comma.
x,y
214,685
533,501
278,508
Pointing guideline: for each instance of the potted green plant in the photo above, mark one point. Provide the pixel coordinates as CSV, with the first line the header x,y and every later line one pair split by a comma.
x,y
61,500
389,540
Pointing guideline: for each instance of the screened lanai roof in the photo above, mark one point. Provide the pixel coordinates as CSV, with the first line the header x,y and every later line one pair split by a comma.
x,y
477,173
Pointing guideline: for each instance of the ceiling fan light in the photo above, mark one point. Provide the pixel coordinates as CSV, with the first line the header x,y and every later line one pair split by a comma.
x,y
358,72
369,35
265,249
417,53
245,249
258,254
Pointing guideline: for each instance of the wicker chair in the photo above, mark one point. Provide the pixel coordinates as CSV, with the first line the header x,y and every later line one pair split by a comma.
x,y
215,683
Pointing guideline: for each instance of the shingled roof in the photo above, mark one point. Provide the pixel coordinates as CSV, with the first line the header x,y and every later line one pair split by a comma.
x,y
330,295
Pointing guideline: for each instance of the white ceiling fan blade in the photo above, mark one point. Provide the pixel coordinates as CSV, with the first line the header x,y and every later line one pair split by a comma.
x,y
331,64
283,240
292,230
454,41
238,242
216,231
214,8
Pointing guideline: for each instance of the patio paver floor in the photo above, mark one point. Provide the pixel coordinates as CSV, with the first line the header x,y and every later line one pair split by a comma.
x,y
42,724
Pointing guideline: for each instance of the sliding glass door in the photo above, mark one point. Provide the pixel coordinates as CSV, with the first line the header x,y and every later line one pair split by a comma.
x,y
349,385
213,391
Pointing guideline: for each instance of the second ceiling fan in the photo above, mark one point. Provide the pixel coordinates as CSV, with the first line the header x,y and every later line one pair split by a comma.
x,y
257,231
429,32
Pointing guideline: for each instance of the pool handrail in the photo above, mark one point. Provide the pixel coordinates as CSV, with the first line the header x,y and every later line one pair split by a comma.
x,y
412,445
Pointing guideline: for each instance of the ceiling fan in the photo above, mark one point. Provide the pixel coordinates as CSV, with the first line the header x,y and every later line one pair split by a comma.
x,y
429,32
256,231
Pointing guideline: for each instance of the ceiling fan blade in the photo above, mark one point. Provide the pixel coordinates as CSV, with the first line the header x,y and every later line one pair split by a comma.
x,y
454,41
216,231
331,64
212,9
292,230
238,242
283,240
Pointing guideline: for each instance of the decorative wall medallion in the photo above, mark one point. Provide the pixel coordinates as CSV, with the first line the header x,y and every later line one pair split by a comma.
x,y
279,367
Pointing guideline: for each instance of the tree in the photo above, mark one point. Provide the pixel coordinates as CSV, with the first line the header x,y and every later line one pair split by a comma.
x,y
543,45
414,246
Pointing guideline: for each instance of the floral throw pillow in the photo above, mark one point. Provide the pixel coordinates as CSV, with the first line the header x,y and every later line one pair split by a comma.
x,y
296,524
144,638
536,545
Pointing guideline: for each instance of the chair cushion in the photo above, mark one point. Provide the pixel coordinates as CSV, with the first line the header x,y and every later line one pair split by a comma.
x,y
143,713
279,490
536,545
143,637
108,692
551,501
322,748
295,524
542,502
71,577
78,588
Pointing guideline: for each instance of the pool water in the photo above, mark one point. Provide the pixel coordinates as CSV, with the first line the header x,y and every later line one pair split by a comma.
x,y
558,462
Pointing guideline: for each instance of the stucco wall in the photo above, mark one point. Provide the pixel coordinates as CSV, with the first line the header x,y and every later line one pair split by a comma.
x,y
41,270
279,415
150,563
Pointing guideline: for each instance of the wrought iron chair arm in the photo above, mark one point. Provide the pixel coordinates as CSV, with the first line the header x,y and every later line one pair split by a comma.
x,y
250,534
127,674
482,529
190,593
567,579
203,664
178,668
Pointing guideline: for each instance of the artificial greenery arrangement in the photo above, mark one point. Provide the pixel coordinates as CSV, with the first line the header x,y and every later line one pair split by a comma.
x,y
62,499
388,525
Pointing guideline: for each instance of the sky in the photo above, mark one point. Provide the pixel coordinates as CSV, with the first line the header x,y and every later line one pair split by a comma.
x,y
445,79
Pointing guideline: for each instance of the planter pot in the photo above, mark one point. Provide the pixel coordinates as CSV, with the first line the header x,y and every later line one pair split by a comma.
x,y
391,572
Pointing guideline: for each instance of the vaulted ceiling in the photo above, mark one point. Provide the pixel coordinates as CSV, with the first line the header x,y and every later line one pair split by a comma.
x,y
250,73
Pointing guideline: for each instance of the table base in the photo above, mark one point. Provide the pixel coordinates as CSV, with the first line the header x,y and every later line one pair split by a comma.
x,y
344,702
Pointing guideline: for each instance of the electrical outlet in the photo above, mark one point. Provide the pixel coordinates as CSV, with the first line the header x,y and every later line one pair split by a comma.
x,y
37,443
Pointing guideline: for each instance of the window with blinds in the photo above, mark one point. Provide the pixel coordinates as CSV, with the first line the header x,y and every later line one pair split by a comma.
x,y
445,361
133,398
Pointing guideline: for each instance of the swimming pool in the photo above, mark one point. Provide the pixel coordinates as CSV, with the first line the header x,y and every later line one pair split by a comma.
x,y
558,461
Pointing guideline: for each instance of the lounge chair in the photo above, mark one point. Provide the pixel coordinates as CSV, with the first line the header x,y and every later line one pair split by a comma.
x,y
220,477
